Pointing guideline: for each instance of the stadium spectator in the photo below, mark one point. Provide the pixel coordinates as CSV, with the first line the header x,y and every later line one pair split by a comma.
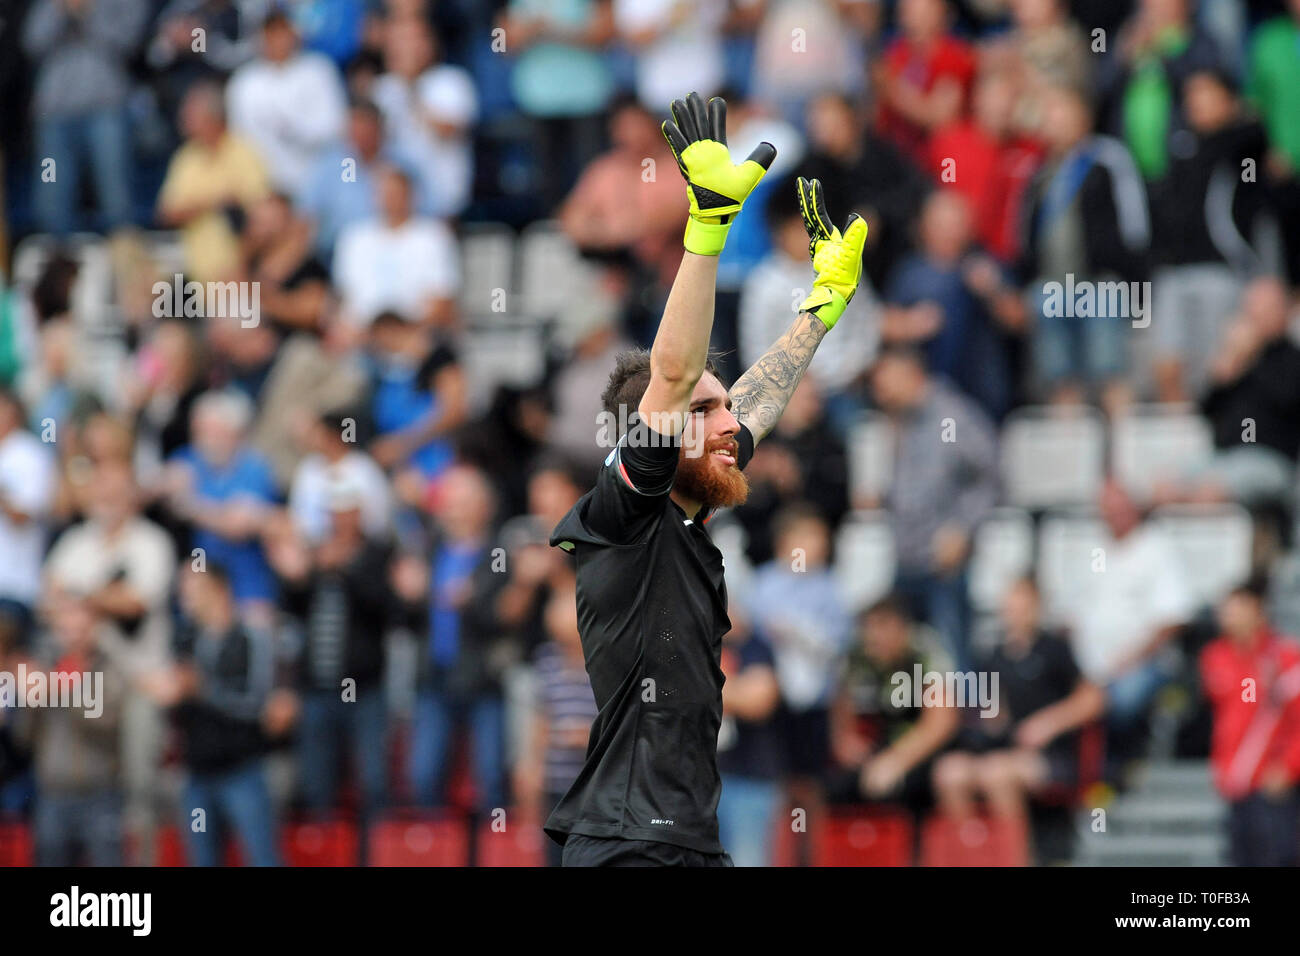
x,y
1253,406
884,736
804,459
224,490
288,103
428,110
945,481
217,693
1159,46
1273,86
121,565
978,311
336,588
78,749
1127,615
333,458
81,49
1030,743
211,182
825,54
925,76
463,656
563,714
1050,50
750,748
341,188
794,605
417,398
621,203
990,161
166,379
1251,676
877,181
1085,217
397,261
1206,233
27,479
677,44
561,80
198,40
768,303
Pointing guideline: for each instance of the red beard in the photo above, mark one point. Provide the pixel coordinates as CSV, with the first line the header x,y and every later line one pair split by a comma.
x,y
710,481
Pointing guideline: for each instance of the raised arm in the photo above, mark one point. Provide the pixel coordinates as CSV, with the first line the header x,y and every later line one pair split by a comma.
x,y
716,189
760,395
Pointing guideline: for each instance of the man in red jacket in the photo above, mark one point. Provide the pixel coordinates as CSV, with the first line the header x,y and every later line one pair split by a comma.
x,y
1252,679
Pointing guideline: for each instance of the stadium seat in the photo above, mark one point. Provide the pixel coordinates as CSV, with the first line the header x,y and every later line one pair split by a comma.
x,y
16,847
1053,457
871,457
1067,546
428,842
501,353
1092,757
980,841
1002,551
871,838
487,253
520,843
549,269
327,843
1154,443
92,293
864,558
1214,542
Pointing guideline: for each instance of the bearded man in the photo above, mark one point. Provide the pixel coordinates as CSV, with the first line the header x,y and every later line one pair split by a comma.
x,y
652,603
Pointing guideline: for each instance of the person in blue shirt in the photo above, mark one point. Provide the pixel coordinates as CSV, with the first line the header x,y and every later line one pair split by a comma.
x,y
225,490
459,687
418,397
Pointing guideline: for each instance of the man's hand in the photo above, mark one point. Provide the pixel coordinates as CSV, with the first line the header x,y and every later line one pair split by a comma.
x,y
715,186
837,258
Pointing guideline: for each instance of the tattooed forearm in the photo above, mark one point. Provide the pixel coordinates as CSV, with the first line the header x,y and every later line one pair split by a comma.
x,y
760,395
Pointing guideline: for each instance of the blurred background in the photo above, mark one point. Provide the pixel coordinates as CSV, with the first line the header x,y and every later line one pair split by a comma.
x,y
300,529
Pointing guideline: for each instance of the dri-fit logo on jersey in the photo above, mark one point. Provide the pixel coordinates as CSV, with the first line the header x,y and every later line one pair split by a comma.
x,y
656,822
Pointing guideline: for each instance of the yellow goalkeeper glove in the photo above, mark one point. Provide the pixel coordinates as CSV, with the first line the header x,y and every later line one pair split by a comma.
x,y
836,257
715,186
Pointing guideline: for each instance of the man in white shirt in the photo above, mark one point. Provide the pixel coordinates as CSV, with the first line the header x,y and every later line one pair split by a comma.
x,y
1128,610
335,460
678,46
428,111
120,565
773,289
289,104
26,490
398,262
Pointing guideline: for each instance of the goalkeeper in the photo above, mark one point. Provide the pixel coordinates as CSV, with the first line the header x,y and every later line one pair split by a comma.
x,y
652,604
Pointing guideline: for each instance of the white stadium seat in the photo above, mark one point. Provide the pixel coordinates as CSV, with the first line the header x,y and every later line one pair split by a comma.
x,y
1001,553
1214,542
1152,443
871,457
1053,457
1067,550
865,558
501,354
550,268
487,254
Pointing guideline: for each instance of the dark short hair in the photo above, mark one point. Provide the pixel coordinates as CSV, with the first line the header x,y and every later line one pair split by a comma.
x,y
1219,75
783,203
892,605
797,513
1255,586
630,379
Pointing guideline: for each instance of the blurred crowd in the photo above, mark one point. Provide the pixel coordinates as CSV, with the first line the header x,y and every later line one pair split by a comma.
x,y
306,543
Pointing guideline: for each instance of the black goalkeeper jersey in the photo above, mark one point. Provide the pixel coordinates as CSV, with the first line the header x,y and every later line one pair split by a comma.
x,y
652,610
